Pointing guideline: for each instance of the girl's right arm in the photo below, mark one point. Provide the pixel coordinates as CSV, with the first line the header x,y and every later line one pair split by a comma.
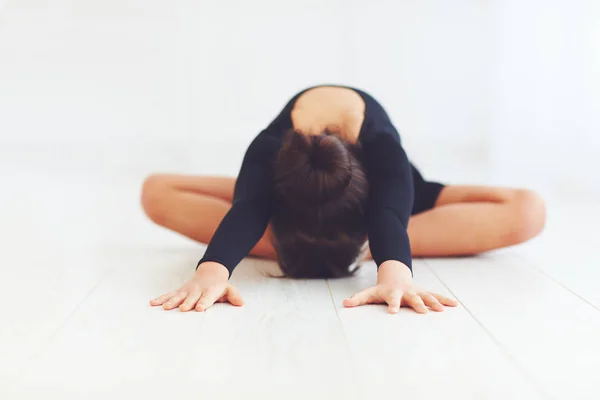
x,y
250,213
239,231
208,286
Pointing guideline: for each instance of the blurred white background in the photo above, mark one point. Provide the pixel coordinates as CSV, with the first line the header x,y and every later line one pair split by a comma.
x,y
498,91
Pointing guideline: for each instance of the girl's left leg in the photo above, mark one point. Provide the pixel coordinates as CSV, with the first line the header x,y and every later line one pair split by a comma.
x,y
468,220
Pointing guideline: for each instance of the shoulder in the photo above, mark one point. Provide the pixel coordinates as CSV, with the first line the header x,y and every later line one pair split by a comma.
x,y
380,139
264,146
383,155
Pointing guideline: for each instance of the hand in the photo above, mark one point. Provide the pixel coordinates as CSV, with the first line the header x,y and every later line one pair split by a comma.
x,y
209,285
396,289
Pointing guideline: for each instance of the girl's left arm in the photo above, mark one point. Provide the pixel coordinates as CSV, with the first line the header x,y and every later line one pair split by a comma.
x,y
390,199
390,206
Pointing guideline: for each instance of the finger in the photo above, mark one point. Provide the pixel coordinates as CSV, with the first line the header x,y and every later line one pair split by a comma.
x,y
209,297
360,298
175,301
234,297
447,301
162,299
431,302
190,301
394,300
415,302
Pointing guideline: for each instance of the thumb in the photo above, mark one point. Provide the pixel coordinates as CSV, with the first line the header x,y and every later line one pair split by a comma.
x,y
394,300
360,298
234,297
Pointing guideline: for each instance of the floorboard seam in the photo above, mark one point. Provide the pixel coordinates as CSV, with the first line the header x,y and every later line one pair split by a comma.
x,y
52,336
504,350
346,342
533,265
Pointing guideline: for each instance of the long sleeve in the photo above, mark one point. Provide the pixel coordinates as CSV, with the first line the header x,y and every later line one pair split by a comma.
x,y
390,198
245,223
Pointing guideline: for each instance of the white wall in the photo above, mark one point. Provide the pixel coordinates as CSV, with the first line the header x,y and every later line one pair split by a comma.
x,y
546,98
142,85
203,77
428,63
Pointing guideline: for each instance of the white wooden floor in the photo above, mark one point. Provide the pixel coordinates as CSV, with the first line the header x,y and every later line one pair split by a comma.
x,y
79,264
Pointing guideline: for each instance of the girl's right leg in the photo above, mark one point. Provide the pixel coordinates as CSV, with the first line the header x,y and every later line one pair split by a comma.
x,y
194,206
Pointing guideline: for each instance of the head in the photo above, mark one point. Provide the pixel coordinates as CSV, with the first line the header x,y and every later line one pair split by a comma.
x,y
319,223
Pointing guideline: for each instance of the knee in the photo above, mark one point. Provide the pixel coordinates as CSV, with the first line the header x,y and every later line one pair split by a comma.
x,y
528,215
152,198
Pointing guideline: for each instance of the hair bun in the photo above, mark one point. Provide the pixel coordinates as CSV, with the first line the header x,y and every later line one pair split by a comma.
x,y
312,169
327,153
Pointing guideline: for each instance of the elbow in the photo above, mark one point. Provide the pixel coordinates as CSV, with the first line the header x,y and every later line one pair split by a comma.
x,y
390,215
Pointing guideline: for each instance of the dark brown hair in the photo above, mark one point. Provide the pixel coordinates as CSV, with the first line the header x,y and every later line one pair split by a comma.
x,y
319,224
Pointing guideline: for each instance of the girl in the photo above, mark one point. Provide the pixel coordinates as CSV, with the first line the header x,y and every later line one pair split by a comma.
x,y
327,177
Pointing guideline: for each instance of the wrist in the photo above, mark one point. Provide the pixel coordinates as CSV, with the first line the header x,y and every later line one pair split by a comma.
x,y
213,268
394,271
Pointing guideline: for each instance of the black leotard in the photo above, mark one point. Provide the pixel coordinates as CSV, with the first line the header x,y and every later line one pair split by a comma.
x,y
397,190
